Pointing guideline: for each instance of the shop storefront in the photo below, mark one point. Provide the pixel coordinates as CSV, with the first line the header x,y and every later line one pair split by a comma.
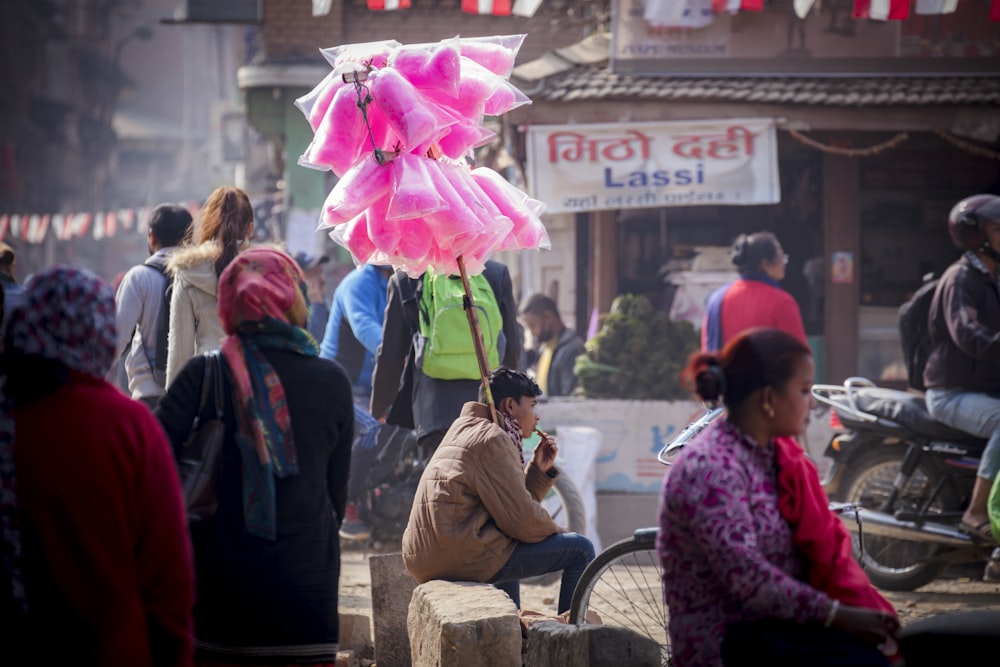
x,y
865,170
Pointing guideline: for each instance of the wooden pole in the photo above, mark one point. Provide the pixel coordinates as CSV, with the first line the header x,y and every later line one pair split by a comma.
x,y
477,340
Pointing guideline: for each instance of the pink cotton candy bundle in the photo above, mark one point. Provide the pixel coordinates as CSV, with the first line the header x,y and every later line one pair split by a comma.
x,y
527,229
438,67
314,104
462,137
497,54
341,136
457,220
359,56
489,226
505,98
412,191
362,185
421,210
410,117
353,235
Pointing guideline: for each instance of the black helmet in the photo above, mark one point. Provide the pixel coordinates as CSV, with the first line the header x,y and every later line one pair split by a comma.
x,y
967,217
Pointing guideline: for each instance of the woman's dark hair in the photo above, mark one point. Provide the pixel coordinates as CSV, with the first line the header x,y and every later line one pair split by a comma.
x,y
505,383
749,250
226,218
752,360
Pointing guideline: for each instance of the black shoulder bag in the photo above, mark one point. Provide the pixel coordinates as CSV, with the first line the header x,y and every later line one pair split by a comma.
x,y
199,455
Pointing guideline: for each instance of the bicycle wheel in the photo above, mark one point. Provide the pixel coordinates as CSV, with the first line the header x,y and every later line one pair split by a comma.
x,y
622,587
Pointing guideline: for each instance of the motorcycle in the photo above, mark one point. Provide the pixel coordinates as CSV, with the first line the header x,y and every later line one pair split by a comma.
x,y
911,475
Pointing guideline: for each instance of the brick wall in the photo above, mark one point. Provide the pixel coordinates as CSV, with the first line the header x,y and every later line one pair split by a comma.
x,y
292,32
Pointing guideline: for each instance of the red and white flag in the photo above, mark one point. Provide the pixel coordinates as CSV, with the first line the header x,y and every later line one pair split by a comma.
x,y
81,222
491,7
4,225
881,10
15,225
388,5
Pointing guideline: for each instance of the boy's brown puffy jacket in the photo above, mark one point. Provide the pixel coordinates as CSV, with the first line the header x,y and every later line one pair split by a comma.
x,y
474,503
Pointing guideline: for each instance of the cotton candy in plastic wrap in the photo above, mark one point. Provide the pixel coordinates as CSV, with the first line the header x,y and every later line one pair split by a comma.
x,y
497,53
475,86
505,98
437,66
417,212
348,57
411,117
527,231
353,235
412,193
341,136
314,104
364,184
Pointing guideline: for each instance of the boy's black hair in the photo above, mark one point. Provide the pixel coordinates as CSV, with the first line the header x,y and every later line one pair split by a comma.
x,y
169,224
506,382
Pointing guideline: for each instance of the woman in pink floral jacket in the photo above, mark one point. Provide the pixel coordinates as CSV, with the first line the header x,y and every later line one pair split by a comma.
x,y
735,584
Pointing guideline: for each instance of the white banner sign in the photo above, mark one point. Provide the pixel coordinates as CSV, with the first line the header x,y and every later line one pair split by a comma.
x,y
601,166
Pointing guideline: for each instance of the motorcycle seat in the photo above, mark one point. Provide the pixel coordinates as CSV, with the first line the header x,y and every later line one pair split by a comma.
x,y
910,411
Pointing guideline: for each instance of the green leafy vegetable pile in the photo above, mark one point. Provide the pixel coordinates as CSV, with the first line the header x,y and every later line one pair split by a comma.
x,y
638,353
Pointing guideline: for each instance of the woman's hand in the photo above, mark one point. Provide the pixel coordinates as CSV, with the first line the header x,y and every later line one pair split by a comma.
x,y
875,626
544,457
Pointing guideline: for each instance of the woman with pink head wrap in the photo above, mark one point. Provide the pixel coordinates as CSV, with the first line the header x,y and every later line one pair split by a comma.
x,y
268,562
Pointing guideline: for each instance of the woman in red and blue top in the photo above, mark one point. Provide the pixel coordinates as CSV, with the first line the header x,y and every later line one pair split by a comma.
x,y
755,299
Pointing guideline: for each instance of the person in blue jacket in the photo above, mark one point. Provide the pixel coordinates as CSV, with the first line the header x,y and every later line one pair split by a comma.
x,y
354,329
353,334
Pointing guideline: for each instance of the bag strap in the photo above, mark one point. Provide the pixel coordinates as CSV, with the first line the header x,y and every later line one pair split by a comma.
x,y
206,381
216,360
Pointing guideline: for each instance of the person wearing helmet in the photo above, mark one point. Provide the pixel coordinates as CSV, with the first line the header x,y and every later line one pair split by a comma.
x,y
963,372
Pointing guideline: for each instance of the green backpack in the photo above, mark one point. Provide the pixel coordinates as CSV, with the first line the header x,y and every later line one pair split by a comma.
x,y
445,347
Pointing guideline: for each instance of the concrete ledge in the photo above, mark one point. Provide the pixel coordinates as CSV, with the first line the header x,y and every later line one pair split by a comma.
x,y
463,624
558,644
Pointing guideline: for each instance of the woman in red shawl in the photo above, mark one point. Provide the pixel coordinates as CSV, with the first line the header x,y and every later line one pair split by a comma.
x,y
268,562
96,549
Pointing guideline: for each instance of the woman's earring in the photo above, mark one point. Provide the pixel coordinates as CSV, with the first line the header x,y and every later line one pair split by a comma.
x,y
769,410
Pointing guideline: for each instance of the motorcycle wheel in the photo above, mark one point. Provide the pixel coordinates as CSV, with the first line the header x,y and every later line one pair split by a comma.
x,y
565,506
893,564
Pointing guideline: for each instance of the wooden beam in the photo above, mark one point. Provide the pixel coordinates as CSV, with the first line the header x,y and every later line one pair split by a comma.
x,y
841,234
604,242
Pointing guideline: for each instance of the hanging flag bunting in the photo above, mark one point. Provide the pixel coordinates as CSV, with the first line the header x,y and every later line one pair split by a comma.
x,y
126,217
803,7
110,223
490,7
935,6
526,7
58,225
4,223
885,10
15,226
388,5
99,226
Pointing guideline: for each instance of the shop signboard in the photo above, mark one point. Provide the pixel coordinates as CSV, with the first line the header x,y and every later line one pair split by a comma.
x,y
602,166
632,433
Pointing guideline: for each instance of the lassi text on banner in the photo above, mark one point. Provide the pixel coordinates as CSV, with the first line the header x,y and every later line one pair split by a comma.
x,y
604,166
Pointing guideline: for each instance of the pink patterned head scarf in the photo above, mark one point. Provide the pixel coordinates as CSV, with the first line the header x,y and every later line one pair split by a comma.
x,y
67,315
256,290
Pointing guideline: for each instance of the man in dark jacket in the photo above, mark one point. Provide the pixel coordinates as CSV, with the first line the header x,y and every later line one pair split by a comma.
x,y
556,346
402,394
963,372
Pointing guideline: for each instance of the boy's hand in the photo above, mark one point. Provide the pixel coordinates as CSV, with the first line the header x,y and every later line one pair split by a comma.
x,y
545,454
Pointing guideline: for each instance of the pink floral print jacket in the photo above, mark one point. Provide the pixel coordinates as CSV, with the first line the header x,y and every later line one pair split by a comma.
x,y
727,553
